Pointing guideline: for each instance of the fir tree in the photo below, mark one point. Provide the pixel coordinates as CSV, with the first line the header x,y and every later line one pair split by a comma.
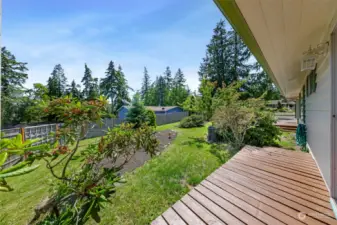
x,y
168,86
94,91
87,81
146,87
179,90
75,90
57,82
122,94
226,59
13,76
137,114
109,83
13,73
161,90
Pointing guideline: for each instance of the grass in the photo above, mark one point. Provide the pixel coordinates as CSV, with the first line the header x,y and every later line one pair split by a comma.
x,y
148,191
287,141
17,207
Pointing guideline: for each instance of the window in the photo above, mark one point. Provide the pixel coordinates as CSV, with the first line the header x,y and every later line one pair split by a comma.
x,y
311,83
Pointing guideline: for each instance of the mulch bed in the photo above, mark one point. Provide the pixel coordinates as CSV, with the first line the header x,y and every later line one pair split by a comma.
x,y
140,157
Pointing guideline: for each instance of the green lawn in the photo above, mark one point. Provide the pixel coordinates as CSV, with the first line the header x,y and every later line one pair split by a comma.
x,y
148,191
288,141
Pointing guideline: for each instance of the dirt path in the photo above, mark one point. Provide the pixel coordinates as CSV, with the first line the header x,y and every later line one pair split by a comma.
x,y
141,157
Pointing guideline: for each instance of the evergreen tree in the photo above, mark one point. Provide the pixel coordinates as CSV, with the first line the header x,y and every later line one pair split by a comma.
x,y
94,91
13,76
259,83
152,94
57,82
226,59
206,100
87,81
114,86
109,83
39,92
137,114
75,90
161,90
179,90
168,86
145,90
122,94
13,73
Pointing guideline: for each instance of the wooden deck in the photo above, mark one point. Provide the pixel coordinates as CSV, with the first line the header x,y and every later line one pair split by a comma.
x,y
257,186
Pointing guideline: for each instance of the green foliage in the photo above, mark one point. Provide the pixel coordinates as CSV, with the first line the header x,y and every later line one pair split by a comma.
x,y
87,81
259,83
192,121
74,90
57,82
13,73
16,146
232,123
242,122
137,113
146,85
13,76
264,133
227,62
151,118
79,193
191,104
221,151
165,90
114,86
205,104
226,58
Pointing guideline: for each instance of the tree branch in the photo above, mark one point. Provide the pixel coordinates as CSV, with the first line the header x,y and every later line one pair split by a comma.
x,y
70,157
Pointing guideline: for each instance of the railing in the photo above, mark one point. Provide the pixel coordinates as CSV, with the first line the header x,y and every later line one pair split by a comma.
x,y
42,132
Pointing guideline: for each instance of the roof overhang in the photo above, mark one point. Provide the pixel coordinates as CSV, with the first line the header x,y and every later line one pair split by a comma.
x,y
278,32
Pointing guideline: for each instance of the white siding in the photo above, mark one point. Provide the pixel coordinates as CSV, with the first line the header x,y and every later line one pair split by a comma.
x,y
318,120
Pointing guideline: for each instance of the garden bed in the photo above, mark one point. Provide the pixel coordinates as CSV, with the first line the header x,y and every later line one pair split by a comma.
x,y
164,137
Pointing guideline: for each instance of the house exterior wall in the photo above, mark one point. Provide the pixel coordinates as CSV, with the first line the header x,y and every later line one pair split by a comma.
x,y
318,119
122,113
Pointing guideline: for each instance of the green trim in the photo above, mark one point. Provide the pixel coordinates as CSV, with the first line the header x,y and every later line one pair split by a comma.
x,y
234,16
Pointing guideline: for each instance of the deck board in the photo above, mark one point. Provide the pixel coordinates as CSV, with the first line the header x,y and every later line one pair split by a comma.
x,y
257,186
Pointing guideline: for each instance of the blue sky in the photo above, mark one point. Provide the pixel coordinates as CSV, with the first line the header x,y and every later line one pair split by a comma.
x,y
132,33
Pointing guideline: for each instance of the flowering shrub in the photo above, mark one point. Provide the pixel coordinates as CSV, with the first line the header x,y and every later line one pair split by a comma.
x,y
81,190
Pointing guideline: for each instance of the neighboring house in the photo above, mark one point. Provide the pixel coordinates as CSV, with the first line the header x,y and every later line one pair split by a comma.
x,y
157,110
279,33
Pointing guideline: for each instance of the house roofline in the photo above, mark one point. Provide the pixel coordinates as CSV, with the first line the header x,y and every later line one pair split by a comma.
x,y
233,14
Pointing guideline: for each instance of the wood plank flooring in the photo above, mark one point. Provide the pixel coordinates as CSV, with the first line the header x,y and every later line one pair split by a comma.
x,y
257,186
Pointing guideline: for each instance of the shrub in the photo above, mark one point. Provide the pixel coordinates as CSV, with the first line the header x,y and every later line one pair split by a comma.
x,y
79,192
232,123
192,121
264,133
137,114
151,118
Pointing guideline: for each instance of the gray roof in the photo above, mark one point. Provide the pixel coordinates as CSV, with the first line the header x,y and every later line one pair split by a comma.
x,y
155,108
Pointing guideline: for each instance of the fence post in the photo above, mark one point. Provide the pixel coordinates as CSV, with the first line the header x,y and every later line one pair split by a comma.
x,y
22,131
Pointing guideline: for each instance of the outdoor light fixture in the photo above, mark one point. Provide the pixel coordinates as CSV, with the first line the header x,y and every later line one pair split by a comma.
x,y
309,59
